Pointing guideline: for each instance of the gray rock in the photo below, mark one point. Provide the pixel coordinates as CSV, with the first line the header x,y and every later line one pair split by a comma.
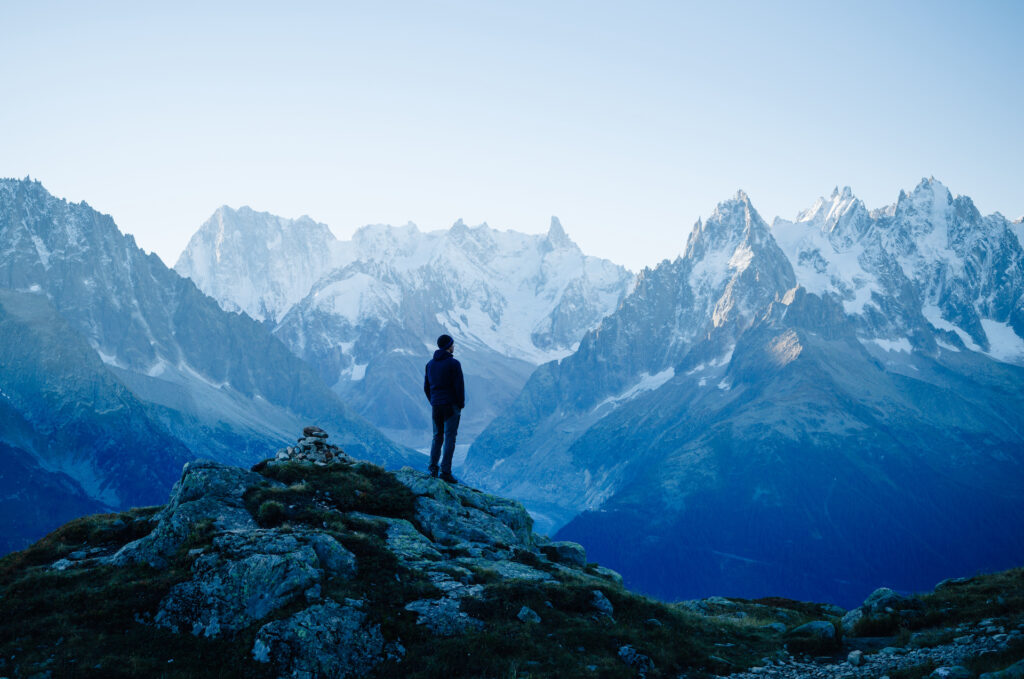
x,y
1014,671
953,672
952,582
965,639
855,658
206,491
527,614
407,543
850,620
776,627
608,574
642,663
510,515
507,569
600,602
248,575
325,640
443,617
565,552
815,637
451,524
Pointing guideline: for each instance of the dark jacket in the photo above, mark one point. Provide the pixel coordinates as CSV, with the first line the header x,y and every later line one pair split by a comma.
x,y
442,382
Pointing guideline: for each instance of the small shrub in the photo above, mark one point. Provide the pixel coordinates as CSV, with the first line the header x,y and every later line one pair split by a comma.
x,y
271,513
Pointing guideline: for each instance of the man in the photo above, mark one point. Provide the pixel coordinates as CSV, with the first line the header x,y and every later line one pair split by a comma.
x,y
446,391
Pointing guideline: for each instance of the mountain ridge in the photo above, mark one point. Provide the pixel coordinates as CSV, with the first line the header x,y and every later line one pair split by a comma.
x,y
703,390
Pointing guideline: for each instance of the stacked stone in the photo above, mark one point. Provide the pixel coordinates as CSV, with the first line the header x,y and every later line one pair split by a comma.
x,y
313,447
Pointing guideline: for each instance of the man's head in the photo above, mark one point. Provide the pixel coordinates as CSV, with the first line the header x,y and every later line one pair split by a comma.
x,y
446,343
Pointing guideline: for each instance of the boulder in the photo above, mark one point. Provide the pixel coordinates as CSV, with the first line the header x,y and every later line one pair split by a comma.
x,y
443,617
246,576
850,620
600,603
324,640
817,637
441,506
527,614
207,491
1014,671
565,552
953,672
642,663
855,658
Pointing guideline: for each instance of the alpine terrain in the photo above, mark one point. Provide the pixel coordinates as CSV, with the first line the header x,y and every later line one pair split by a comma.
x,y
365,312
315,564
812,408
115,371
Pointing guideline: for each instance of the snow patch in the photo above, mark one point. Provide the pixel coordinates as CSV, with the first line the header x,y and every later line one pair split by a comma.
x,y
717,363
902,344
647,382
1004,344
934,316
44,253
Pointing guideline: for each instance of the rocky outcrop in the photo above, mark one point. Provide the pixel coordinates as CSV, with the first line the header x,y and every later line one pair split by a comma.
x,y
247,575
209,493
247,564
324,640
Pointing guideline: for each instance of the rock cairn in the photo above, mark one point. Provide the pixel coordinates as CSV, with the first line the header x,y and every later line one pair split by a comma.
x,y
313,447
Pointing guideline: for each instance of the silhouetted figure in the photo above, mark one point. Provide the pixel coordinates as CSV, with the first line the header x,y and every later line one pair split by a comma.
x,y
444,387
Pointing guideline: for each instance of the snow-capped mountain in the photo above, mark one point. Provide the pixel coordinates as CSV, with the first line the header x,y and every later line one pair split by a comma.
x,y
257,262
368,323
114,370
842,392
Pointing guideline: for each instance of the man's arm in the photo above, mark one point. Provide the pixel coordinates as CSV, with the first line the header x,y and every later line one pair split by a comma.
x,y
426,384
460,387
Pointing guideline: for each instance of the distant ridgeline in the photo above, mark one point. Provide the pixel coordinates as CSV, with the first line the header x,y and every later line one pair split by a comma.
x,y
812,408
364,312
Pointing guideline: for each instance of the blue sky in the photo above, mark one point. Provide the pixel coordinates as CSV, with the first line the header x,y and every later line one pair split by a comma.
x,y
627,120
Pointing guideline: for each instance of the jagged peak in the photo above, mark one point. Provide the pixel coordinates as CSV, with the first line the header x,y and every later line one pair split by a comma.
x,y
733,223
929,202
557,238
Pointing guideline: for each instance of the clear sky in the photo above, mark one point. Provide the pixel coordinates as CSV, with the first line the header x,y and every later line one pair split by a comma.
x,y
628,120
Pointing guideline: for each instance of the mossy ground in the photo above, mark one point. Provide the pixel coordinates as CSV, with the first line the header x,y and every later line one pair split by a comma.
x,y
81,622
90,621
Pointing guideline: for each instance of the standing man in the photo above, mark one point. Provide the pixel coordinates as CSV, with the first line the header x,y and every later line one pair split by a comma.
x,y
446,392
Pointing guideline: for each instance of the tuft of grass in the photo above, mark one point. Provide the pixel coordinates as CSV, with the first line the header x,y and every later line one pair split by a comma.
x,y
992,595
313,495
85,622
107,531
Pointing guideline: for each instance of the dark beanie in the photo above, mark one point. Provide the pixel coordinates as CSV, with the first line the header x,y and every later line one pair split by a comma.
x,y
444,341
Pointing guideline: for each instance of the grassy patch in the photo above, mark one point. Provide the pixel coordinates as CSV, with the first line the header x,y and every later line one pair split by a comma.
x,y
82,624
985,596
313,493
994,662
107,531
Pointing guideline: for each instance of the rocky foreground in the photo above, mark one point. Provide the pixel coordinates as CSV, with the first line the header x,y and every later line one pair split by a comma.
x,y
314,564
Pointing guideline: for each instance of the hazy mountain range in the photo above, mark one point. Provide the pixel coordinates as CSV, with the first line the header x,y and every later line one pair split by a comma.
x,y
812,408
364,312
